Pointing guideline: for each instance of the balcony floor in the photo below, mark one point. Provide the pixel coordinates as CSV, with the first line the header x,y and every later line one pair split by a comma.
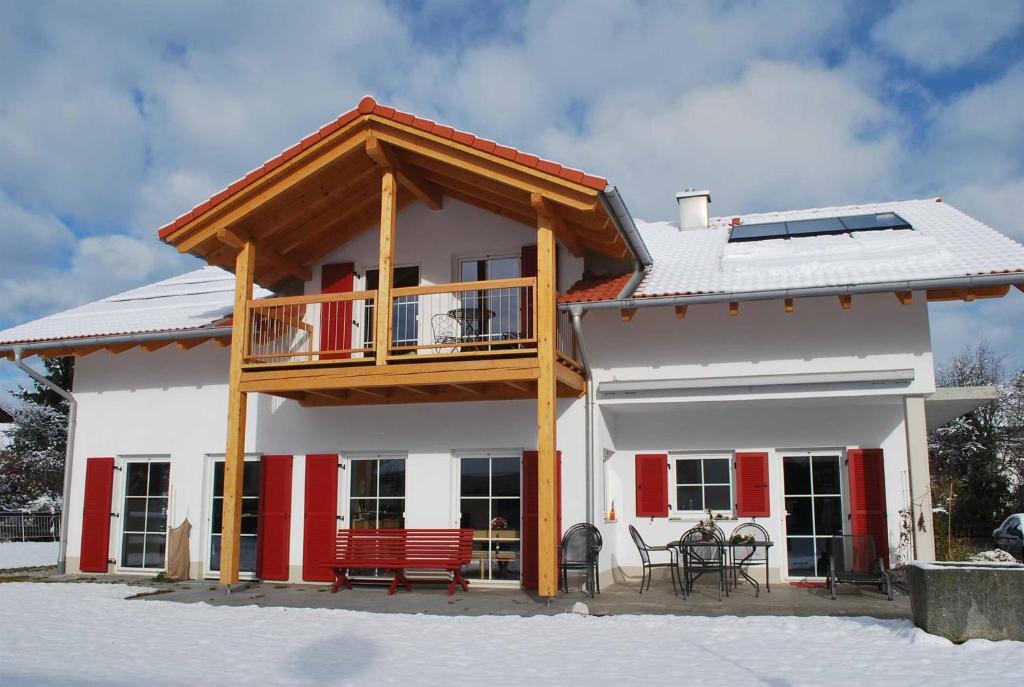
x,y
408,380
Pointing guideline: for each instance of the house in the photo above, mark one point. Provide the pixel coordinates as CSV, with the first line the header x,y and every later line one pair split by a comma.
x,y
402,324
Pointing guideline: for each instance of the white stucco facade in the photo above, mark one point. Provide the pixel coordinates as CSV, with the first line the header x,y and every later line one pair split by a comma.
x,y
171,405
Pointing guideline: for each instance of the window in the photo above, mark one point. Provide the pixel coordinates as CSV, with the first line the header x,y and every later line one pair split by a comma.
x,y
404,316
489,504
814,511
703,482
250,515
500,306
377,493
144,534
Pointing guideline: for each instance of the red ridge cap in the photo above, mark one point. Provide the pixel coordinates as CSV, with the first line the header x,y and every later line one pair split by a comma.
x,y
367,105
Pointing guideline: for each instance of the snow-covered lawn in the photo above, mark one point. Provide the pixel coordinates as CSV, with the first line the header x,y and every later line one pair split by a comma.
x,y
88,634
22,554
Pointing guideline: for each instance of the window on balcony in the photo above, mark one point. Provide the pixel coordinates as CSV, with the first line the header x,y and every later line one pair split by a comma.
x,y
500,310
406,312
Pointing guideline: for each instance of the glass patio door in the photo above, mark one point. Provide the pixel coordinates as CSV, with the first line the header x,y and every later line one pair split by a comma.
x,y
814,511
250,516
490,505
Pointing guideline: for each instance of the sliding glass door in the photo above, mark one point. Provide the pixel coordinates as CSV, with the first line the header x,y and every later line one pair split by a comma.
x,y
490,505
814,511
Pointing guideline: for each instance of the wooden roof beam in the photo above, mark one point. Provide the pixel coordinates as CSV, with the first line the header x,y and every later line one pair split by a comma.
x,y
680,312
286,265
542,206
905,297
627,314
846,301
189,344
384,156
788,305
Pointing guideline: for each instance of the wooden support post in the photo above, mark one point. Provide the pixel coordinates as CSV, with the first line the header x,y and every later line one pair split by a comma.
x,y
547,517
788,304
680,312
382,305
234,452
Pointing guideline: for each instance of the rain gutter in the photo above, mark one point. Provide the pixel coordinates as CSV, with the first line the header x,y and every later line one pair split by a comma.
x,y
1004,279
588,413
115,339
615,208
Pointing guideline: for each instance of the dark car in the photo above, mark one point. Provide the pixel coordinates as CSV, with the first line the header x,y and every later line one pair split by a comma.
x,y
1010,536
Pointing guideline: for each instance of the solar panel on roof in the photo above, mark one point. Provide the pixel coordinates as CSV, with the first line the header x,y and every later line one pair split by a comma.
x,y
815,227
822,226
881,220
758,232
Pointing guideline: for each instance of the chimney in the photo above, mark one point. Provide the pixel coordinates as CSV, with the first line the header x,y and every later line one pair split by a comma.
x,y
693,208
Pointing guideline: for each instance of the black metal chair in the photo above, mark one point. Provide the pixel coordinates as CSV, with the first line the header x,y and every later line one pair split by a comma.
x,y
648,566
749,556
702,552
581,549
852,560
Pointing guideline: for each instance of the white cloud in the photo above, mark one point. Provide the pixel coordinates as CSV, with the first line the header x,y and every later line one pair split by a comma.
x,y
936,35
29,240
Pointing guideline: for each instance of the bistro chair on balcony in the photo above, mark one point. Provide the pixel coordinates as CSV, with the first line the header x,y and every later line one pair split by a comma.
x,y
648,566
852,560
581,548
447,333
703,552
747,556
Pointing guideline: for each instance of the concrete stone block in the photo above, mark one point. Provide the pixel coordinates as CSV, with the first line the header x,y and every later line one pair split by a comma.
x,y
961,601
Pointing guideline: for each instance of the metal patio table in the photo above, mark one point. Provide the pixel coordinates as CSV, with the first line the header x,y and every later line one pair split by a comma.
x,y
729,548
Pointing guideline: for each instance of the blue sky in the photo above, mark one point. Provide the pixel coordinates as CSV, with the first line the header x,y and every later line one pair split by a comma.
x,y
118,116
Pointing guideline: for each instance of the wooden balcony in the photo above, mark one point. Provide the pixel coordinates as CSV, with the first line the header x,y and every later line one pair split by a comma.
x,y
448,342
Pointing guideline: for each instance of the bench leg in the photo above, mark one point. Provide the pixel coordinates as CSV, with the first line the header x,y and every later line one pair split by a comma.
x,y
399,579
457,579
340,580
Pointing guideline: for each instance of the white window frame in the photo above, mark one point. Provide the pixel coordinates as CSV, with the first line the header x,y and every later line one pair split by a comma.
x,y
121,466
345,460
844,497
457,505
206,536
673,485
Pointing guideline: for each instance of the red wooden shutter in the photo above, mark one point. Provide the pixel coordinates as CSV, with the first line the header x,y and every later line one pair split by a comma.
x,y
321,516
96,513
275,517
528,502
867,497
652,485
752,500
336,317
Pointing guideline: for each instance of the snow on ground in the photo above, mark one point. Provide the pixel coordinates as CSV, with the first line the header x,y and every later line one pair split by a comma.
x,y
88,634
22,554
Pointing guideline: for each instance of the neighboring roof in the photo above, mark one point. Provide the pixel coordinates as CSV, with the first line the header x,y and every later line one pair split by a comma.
x,y
944,243
596,289
195,300
369,106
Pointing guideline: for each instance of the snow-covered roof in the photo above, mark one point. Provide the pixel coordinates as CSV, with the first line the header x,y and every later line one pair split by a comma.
x,y
944,243
197,299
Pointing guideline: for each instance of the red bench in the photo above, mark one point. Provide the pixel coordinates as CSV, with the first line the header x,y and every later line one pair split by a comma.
x,y
399,550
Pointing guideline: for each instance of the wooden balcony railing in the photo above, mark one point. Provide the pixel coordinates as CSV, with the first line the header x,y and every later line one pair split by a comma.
x,y
459,320
308,329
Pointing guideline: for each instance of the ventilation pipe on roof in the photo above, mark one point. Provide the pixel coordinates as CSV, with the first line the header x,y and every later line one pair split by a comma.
x,y
693,208
69,452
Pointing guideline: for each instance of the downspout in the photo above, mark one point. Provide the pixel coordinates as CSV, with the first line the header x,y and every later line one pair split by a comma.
x,y
69,453
588,412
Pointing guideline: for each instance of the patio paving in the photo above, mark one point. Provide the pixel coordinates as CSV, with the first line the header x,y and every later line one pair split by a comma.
x,y
616,599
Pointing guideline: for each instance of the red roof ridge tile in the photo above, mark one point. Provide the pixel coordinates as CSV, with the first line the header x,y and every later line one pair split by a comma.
x,y
367,106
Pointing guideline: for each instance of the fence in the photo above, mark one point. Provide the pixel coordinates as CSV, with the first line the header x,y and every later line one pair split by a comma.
x,y
29,526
